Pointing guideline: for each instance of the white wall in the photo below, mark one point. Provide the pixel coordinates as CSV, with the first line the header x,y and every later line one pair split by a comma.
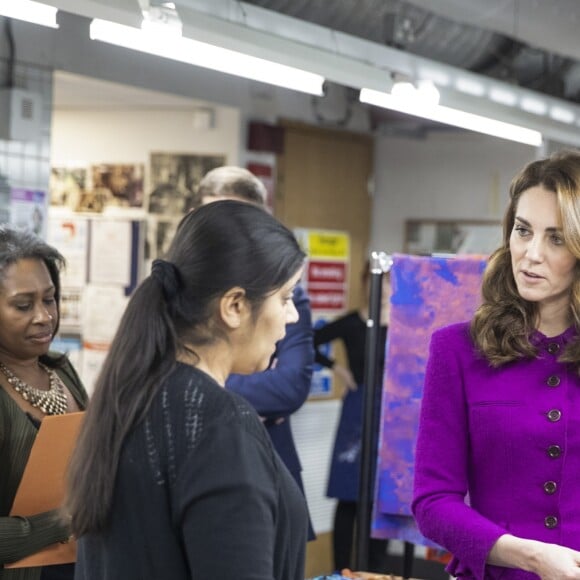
x,y
122,136
447,175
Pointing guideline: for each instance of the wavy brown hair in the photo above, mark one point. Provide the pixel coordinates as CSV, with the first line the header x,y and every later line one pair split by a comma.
x,y
502,325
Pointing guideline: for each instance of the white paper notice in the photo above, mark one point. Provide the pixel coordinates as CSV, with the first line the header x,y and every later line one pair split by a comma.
x,y
94,356
110,253
69,235
103,307
71,309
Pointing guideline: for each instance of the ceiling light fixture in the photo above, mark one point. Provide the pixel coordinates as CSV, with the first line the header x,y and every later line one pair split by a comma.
x,y
453,117
503,96
421,92
186,50
470,86
562,115
534,106
29,11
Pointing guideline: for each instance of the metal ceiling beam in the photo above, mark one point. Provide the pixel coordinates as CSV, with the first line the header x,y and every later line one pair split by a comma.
x,y
125,12
344,59
524,20
358,63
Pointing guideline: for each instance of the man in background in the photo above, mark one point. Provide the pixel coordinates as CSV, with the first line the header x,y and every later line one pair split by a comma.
x,y
281,390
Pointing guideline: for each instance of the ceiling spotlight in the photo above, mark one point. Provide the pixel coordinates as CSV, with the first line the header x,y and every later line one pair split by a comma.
x,y
422,92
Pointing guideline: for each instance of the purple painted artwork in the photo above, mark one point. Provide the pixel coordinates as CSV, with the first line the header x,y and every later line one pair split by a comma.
x,y
427,293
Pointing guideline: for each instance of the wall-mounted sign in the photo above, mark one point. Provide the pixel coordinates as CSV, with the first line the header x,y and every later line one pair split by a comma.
x,y
326,281
326,272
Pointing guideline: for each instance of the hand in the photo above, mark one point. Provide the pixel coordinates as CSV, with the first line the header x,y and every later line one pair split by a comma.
x,y
548,561
345,376
555,562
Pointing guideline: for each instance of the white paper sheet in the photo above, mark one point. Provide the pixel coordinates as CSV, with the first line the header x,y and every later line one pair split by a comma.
x,y
110,252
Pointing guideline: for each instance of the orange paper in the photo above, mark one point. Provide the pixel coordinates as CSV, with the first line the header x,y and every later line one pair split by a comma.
x,y
42,486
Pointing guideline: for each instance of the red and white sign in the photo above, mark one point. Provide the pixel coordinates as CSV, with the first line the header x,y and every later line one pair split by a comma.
x,y
326,283
327,299
326,272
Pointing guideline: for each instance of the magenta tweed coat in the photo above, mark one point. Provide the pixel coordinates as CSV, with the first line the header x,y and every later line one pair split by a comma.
x,y
498,451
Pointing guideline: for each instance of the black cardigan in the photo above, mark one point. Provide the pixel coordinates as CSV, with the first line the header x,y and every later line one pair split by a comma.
x,y
201,494
20,537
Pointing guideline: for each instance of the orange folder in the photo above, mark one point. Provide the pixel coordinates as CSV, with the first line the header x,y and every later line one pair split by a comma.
x,y
42,487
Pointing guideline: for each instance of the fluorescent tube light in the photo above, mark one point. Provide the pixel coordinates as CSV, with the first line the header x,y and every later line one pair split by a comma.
x,y
404,90
437,76
503,96
533,105
427,91
470,86
422,92
208,56
453,117
561,114
29,11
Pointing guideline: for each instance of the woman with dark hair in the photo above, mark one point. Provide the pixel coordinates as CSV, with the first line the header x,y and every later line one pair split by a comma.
x,y
174,476
497,472
33,383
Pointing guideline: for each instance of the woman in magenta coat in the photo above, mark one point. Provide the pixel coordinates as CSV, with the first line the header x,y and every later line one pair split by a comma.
x,y
497,474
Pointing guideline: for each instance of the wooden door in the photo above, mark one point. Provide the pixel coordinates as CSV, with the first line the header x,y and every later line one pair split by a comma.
x,y
323,182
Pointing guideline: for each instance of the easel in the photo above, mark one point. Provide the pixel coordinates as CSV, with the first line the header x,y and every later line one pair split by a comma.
x,y
380,264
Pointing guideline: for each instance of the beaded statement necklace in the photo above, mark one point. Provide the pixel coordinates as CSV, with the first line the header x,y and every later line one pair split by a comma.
x,y
51,402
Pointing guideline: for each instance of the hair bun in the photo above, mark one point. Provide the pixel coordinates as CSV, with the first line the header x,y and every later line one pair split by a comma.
x,y
167,275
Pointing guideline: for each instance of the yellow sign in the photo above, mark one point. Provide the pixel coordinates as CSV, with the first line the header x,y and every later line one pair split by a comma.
x,y
326,244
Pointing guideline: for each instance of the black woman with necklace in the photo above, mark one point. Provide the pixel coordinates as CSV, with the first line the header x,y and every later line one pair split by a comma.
x,y
33,383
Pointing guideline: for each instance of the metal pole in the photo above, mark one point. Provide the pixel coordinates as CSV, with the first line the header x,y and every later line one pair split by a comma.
x,y
380,263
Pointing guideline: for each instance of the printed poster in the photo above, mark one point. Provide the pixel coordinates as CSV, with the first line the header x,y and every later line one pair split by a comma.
x,y
28,210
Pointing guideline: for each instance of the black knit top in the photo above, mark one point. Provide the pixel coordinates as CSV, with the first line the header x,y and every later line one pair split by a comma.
x,y
201,494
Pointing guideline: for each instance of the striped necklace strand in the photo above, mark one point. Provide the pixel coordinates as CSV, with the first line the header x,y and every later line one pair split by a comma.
x,y
51,402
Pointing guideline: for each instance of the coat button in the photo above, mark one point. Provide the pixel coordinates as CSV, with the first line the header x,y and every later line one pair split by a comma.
x,y
553,347
550,487
553,381
551,522
554,415
554,451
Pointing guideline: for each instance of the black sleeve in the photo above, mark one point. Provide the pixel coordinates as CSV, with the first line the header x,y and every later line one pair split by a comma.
x,y
227,505
334,330
23,536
